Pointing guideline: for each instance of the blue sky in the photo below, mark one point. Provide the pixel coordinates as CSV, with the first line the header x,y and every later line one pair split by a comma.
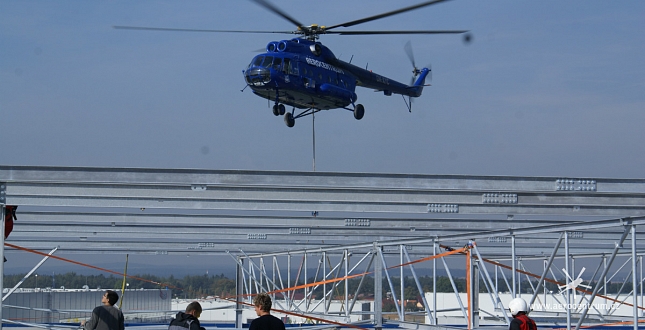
x,y
547,88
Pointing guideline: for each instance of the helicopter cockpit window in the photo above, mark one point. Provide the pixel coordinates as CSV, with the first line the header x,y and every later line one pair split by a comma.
x,y
258,61
267,61
277,63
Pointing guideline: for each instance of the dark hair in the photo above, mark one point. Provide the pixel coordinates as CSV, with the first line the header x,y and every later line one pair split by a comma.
x,y
263,301
112,297
194,306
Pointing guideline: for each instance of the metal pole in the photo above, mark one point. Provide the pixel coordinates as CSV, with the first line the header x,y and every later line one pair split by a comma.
x,y
603,275
513,291
378,290
346,286
2,214
634,283
401,248
273,268
640,260
482,264
238,292
416,281
604,287
28,274
324,261
287,295
435,318
305,296
454,288
566,270
547,266
389,281
360,284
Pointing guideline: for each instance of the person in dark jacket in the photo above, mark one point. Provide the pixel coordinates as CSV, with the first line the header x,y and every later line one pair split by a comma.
x,y
187,320
265,321
106,316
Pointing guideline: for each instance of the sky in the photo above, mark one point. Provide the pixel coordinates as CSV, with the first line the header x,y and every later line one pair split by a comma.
x,y
546,88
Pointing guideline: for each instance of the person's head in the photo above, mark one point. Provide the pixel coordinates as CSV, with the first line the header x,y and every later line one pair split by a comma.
x,y
518,306
194,309
262,303
110,297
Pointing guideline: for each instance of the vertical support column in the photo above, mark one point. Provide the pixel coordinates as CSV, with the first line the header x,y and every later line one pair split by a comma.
x,y
634,278
238,292
324,261
604,287
305,296
619,245
514,263
498,304
435,319
273,264
544,270
378,290
568,271
402,285
640,261
2,212
474,292
346,286
288,296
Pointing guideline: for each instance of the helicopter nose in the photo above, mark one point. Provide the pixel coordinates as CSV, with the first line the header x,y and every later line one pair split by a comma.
x,y
257,76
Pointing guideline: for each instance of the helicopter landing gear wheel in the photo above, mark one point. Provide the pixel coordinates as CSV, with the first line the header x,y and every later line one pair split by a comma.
x,y
289,120
276,110
281,109
359,111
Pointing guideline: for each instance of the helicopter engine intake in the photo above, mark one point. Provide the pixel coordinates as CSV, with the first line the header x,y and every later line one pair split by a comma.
x,y
272,47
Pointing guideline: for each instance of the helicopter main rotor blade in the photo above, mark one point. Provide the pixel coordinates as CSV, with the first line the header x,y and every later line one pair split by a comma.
x,y
391,13
397,32
278,11
120,27
408,50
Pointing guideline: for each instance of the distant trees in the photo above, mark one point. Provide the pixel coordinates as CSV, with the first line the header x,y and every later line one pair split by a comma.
x,y
219,285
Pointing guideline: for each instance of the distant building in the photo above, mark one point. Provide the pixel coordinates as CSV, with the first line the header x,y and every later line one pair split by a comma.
x,y
64,305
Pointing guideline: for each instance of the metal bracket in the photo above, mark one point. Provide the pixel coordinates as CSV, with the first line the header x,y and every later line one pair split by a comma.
x,y
3,193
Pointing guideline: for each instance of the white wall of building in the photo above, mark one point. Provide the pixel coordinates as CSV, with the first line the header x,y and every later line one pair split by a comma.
x,y
213,313
544,306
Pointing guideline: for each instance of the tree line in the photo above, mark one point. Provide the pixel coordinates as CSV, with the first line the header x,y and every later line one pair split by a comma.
x,y
192,286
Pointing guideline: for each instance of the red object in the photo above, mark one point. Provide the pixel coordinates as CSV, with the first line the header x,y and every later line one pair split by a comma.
x,y
9,217
527,323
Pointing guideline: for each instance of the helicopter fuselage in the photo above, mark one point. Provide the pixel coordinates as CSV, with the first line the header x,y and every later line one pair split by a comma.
x,y
306,75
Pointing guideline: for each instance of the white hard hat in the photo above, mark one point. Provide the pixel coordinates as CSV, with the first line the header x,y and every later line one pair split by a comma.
x,y
518,305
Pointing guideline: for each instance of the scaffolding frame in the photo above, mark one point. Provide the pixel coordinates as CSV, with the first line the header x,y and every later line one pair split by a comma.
x,y
326,218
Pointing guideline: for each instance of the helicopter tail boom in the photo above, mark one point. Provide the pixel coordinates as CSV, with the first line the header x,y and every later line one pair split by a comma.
x,y
417,88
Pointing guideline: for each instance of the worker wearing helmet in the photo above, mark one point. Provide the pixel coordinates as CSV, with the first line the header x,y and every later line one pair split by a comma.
x,y
520,310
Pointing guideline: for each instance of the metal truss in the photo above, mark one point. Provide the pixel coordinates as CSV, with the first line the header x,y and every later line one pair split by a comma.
x,y
389,258
308,229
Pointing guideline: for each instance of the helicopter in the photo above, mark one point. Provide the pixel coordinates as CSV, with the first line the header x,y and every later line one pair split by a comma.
x,y
304,74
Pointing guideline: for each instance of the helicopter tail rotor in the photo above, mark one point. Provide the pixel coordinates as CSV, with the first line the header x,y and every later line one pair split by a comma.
x,y
415,70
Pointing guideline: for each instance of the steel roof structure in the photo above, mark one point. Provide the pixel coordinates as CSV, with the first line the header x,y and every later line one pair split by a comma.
x,y
258,214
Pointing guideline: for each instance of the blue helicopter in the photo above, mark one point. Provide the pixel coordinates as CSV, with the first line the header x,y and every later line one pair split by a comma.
x,y
304,74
